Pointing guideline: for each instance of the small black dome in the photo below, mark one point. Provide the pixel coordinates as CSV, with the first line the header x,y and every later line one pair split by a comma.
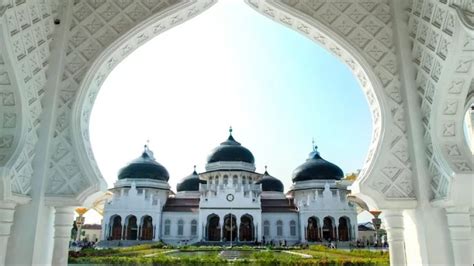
x,y
230,151
316,168
144,166
190,183
270,183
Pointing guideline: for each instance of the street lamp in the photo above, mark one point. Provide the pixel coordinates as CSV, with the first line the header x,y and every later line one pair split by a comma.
x,y
80,221
376,222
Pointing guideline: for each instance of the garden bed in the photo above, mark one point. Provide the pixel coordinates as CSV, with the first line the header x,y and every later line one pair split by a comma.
x,y
206,255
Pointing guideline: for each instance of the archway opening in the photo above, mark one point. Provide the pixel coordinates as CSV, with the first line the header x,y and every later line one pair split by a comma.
x,y
131,228
116,228
246,228
230,227
344,229
146,228
328,229
312,85
313,229
213,228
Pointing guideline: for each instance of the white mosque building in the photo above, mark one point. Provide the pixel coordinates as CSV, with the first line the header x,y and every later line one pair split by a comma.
x,y
229,202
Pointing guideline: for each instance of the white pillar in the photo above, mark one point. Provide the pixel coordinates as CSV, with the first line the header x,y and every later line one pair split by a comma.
x,y
472,223
303,231
157,225
63,219
7,209
221,222
31,238
394,225
459,225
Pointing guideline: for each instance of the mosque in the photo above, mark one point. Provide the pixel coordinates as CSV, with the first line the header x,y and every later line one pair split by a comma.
x,y
230,202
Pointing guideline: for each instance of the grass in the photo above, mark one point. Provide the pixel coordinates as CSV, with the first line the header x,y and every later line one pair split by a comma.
x,y
137,255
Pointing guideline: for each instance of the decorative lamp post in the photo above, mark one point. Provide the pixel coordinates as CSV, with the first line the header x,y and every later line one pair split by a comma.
x,y
80,221
376,221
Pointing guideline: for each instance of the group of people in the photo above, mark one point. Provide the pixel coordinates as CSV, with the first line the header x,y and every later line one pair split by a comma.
x,y
85,243
367,243
271,243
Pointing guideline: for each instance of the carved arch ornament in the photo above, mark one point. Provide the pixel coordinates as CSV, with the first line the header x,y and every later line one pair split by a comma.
x,y
443,47
26,29
358,34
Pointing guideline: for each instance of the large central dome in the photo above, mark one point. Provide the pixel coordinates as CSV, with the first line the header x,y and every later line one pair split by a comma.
x,y
230,151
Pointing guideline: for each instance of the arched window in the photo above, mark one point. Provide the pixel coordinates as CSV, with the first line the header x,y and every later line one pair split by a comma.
x,y
226,180
217,180
235,180
167,227
266,228
210,180
279,228
180,227
194,225
292,228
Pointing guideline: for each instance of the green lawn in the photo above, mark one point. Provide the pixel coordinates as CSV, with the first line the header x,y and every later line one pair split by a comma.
x,y
163,255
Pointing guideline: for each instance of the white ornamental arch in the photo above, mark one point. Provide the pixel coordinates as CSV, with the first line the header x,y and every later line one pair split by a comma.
x,y
359,34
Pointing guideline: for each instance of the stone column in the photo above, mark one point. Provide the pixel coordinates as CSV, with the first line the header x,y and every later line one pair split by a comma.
x,y
63,218
320,228
7,209
238,231
472,230
394,225
221,224
459,225
302,231
123,237
105,231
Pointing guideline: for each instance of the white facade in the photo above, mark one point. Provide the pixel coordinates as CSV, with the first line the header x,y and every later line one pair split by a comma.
x,y
260,211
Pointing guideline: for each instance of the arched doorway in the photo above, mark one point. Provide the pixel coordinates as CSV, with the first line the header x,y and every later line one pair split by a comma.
x,y
328,229
312,230
230,228
132,228
213,228
343,229
246,228
147,228
116,232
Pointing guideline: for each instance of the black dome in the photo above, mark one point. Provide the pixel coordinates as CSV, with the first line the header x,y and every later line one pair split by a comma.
x,y
190,183
144,166
316,168
230,151
270,183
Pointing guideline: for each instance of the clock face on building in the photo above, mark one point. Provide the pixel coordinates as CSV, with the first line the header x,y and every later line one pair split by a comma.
x,y
230,197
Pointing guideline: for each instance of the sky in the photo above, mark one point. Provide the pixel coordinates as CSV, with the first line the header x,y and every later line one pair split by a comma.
x,y
230,66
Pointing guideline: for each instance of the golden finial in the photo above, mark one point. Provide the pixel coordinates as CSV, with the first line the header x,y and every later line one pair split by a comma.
x,y
81,210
